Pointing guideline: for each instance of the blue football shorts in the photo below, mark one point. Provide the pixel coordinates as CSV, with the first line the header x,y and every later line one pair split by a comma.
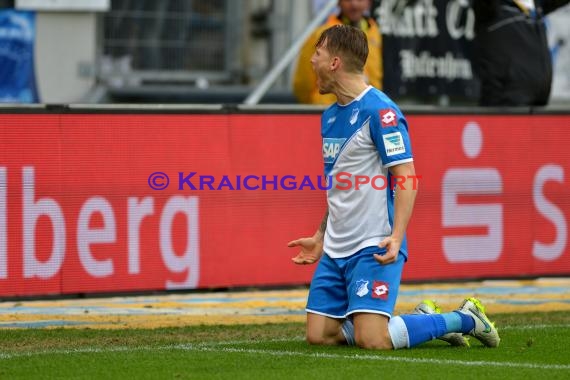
x,y
355,284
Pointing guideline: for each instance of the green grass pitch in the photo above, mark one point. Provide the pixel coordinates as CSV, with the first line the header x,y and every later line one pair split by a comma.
x,y
533,346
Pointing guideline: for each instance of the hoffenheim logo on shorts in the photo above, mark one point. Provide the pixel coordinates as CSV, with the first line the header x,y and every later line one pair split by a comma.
x,y
362,288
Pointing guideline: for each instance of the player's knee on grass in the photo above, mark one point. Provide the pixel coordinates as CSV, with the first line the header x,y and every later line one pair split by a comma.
x,y
315,338
320,339
374,340
371,332
324,330
324,334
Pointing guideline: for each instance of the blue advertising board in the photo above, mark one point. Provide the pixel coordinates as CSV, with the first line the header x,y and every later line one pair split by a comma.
x,y
17,76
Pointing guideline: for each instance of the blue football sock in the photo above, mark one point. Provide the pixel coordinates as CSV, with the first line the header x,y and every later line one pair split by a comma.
x,y
410,330
453,322
424,327
467,322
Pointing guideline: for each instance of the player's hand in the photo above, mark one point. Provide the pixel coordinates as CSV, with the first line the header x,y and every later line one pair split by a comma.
x,y
392,246
311,250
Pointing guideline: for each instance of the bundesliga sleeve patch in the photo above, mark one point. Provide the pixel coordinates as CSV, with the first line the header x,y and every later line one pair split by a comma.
x,y
388,118
394,143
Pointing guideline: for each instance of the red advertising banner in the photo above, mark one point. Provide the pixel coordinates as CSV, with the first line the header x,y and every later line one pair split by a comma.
x,y
494,200
114,203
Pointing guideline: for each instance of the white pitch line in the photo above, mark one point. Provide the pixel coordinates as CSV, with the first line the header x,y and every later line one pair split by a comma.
x,y
534,327
245,341
382,358
219,348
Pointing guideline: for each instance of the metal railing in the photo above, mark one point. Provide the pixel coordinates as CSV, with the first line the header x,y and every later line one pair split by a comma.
x,y
168,40
289,55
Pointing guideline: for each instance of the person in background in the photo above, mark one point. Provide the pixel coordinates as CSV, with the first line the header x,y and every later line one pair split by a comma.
x,y
512,57
352,12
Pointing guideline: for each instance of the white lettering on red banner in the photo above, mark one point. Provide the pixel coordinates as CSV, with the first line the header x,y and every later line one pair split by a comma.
x,y
77,214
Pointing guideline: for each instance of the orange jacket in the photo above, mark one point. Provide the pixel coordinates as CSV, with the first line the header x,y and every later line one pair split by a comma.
x,y
304,79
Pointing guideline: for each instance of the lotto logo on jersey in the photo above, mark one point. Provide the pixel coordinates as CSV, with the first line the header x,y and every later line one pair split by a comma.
x,y
380,290
331,149
394,143
388,118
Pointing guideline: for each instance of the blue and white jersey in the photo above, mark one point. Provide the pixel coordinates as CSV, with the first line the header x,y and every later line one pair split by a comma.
x,y
362,138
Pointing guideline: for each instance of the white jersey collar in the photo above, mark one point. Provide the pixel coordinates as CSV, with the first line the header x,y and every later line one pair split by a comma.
x,y
358,98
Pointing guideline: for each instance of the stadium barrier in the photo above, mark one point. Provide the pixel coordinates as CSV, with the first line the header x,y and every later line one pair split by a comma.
x,y
78,212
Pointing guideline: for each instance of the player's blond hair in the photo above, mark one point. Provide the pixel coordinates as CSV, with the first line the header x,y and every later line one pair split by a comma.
x,y
349,43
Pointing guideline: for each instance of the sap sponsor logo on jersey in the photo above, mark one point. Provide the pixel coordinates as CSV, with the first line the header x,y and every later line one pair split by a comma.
x,y
394,143
388,118
331,149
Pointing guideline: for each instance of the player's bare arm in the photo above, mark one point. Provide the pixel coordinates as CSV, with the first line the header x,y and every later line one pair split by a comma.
x,y
311,247
403,206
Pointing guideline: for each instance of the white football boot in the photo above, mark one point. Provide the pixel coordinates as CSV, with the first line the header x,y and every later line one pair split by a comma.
x,y
485,330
